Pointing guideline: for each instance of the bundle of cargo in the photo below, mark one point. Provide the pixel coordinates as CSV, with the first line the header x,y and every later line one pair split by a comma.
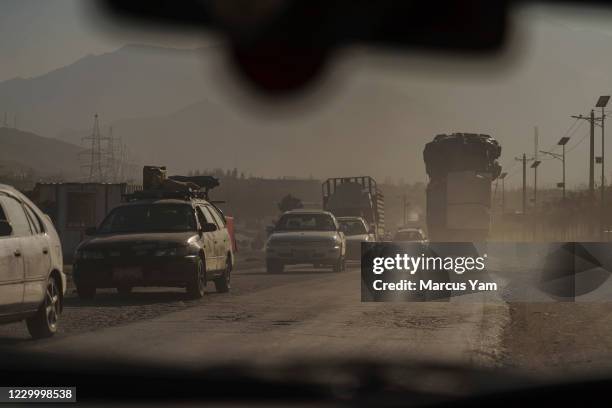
x,y
460,152
156,180
461,167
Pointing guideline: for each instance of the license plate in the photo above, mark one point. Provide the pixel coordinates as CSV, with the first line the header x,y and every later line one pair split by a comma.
x,y
302,253
127,274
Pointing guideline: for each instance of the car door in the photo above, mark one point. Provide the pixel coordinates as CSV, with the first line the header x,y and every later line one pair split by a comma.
x,y
12,267
37,260
207,240
219,236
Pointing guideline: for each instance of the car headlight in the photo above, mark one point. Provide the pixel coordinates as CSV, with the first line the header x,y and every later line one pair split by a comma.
x,y
89,254
174,251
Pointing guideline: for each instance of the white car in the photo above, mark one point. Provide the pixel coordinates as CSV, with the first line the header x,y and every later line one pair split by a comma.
x,y
357,231
410,235
32,282
306,237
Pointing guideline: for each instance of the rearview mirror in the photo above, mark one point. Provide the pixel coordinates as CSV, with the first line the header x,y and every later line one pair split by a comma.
x,y
89,231
209,227
5,228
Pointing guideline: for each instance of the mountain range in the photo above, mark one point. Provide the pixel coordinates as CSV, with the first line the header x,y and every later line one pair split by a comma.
x,y
170,107
39,156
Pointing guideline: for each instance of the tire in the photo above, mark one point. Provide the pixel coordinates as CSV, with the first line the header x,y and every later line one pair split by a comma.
x,y
86,291
124,290
339,265
196,287
222,283
274,267
45,322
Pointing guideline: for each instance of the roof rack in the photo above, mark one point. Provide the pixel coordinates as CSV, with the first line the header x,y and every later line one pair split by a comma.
x,y
160,194
157,185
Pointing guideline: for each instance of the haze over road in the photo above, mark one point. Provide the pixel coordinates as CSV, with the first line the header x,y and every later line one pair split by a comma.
x,y
302,313
317,314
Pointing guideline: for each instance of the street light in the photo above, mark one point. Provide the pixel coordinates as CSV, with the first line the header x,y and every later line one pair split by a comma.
x,y
562,142
602,102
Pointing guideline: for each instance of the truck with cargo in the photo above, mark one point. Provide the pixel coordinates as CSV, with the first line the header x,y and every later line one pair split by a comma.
x,y
356,197
461,168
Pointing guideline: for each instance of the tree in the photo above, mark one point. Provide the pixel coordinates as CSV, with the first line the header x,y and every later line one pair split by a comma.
x,y
289,202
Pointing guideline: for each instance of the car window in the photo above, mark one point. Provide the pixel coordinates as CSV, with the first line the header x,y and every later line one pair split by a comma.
x,y
16,215
353,227
218,219
408,236
35,222
202,217
209,216
150,218
306,222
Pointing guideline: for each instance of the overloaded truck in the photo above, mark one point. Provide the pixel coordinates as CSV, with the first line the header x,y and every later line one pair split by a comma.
x,y
356,196
461,168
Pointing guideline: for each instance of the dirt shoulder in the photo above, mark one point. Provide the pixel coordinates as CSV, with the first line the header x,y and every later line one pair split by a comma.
x,y
559,339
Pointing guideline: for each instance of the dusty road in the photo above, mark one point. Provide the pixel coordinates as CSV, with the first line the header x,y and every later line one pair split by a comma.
x,y
305,313
297,314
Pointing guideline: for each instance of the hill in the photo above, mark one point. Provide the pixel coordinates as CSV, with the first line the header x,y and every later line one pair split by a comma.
x,y
37,156
135,80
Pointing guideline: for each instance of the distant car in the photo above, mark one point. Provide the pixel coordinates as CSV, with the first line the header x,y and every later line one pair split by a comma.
x,y
175,242
410,235
306,237
32,282
356,231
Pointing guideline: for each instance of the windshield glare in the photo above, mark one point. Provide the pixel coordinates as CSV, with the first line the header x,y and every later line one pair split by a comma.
x,y
149,218
306,222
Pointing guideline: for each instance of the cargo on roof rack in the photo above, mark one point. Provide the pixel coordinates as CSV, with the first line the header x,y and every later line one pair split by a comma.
x,y
156,184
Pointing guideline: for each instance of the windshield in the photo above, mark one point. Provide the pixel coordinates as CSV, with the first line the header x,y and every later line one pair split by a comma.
x,y
408,236
194,193
306,222
150,218
353,227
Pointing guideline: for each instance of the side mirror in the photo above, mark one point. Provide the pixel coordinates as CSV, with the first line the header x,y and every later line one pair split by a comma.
x,y
89,231
5,228
269,230
209,227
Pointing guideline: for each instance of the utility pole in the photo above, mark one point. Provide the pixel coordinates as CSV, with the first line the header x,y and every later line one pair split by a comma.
x,y
591,120
405,208
524,160
524,184
602,102
592,156
534,166
562,142
502,176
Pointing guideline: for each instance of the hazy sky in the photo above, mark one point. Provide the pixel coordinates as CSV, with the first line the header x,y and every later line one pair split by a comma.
x,y
40,35
563,61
